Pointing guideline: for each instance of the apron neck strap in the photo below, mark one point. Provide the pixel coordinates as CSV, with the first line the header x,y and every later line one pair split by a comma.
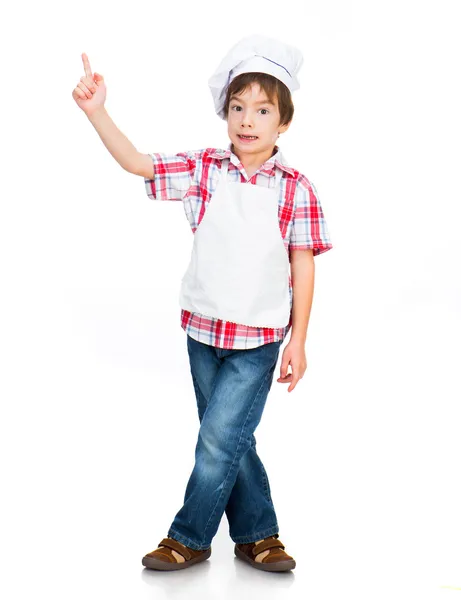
x,y
225,166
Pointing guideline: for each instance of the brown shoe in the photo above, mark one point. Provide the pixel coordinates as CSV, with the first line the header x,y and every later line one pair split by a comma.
x,y
276,560
162,558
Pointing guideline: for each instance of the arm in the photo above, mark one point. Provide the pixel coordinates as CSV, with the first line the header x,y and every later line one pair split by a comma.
x,y
90,95
168,176
294,354
309,237
303,276
120,146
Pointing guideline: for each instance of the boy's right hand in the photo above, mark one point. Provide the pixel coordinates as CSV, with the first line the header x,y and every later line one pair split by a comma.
x,y
90,92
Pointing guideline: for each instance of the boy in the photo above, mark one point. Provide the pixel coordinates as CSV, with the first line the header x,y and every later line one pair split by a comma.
x,y
249,280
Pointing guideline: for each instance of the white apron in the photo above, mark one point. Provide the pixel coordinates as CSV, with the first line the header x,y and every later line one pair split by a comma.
x,y
239,267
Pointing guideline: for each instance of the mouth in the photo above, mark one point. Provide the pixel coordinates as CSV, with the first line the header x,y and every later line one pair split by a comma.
x,y
247,138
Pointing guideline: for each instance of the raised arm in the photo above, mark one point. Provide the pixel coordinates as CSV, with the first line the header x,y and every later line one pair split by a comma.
x,y
120,146
90,95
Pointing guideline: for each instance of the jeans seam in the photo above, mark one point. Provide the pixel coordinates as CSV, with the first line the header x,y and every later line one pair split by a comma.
x,y
266,485
201,400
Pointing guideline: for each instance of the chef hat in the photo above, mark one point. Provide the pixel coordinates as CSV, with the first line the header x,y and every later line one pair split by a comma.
x,y
255,53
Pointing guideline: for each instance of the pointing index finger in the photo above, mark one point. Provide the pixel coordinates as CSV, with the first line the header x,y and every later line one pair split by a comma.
x,y
86,65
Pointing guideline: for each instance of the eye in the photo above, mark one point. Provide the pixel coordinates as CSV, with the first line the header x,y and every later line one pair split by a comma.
x,y
239,107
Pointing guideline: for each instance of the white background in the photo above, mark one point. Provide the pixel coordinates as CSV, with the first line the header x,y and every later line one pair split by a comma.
x,y
98,416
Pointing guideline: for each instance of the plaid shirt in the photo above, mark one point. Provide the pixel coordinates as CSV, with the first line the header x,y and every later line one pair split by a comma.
x,y
192,177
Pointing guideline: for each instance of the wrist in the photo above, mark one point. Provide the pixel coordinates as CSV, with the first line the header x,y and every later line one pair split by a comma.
x,y
298,339
96,113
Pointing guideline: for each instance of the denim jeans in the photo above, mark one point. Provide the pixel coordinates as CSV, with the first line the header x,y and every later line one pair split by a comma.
x,y
231,387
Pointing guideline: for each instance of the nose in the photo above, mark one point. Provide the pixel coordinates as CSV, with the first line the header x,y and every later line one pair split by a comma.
x,y
246,119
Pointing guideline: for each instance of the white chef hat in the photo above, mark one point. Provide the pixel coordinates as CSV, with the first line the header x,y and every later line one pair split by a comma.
x,y
255,53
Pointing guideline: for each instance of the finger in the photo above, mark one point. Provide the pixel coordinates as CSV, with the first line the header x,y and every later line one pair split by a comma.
x,y
293,384
86,65
285,377
90,84
83,87
284,368
77,93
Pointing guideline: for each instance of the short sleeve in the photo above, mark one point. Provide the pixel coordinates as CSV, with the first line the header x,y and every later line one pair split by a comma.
x,y
172,175
309,228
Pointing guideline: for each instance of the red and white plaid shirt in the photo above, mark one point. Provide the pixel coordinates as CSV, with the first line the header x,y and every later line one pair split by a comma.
x,y
192,177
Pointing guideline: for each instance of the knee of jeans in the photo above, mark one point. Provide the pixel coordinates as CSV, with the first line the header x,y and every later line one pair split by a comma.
x,y
219,445
211,444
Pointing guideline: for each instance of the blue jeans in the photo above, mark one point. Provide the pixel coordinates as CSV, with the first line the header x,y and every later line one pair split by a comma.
x,y
231,387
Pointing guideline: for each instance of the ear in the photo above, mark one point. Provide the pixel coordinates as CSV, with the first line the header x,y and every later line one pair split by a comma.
x,y
284,128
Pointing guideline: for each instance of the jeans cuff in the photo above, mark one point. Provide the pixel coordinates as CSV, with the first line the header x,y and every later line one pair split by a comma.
x,y
254,537
185,540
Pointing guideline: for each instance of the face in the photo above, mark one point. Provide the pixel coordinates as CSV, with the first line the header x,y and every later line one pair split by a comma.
x,y
252,114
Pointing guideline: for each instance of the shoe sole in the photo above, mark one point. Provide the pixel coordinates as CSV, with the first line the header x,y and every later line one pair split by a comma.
x,y
161,565
282,565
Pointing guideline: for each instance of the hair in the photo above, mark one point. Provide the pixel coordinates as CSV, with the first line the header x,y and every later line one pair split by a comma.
x,y
273,87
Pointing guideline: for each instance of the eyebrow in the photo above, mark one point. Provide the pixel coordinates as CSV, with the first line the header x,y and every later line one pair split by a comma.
x,y
260,102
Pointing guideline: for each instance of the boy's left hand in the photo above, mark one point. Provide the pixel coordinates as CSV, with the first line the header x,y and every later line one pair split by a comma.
x,y
294,354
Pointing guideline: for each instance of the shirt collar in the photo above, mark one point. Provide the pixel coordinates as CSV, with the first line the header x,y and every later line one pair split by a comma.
x,y
276,159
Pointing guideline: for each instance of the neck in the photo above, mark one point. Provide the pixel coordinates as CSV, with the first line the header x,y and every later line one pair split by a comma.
x,y
252,162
